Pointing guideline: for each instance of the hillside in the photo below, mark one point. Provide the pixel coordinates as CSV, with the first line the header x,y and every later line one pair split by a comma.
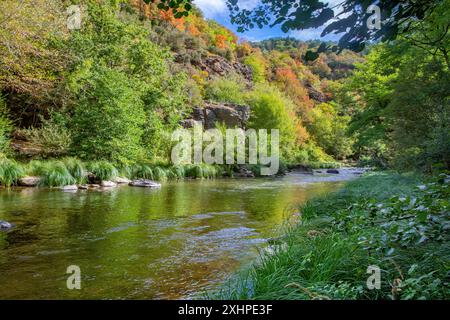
x,y
205,60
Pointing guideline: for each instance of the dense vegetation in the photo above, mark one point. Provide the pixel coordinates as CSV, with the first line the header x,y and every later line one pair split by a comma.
x,y
386,220
115,89
105,99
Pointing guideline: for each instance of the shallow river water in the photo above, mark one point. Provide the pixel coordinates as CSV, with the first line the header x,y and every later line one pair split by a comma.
x,y
134,243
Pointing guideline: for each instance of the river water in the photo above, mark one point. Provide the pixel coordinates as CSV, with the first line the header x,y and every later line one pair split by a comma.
x,y
135,243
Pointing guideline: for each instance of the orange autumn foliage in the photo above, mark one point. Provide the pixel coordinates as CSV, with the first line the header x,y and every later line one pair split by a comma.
x,y
289,83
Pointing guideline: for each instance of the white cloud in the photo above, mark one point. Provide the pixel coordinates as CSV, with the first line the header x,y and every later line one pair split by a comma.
x,y
212,8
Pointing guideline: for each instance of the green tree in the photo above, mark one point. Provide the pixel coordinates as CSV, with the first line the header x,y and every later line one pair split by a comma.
x,y
115,46
107,123
329,129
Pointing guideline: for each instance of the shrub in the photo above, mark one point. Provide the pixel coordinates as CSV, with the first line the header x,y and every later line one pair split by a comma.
x,y
10,172
226,90
53,137
5,128
271,110
258,65
103,170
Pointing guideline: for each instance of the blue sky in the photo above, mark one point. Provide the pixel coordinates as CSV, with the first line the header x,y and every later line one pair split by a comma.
x,y
217,10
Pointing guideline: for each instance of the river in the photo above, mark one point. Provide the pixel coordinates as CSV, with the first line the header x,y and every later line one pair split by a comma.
x,y
134,243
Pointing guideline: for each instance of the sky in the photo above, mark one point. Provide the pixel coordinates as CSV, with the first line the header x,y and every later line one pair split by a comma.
x,y
218,11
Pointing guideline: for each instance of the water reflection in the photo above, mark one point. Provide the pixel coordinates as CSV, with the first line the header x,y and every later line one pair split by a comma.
x,y
140,243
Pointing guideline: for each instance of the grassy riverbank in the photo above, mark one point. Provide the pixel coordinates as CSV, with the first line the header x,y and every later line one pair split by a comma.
x,y
393,221
69,171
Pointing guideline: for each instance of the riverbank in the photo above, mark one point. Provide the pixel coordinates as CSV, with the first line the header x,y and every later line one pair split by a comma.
x,y
394,222
72,172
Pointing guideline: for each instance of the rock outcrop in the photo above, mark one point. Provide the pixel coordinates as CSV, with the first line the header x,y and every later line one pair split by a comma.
x,y
232,115
219,66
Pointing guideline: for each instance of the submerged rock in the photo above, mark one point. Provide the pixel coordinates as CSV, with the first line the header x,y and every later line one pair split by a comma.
x,y
244,173
333,171
120,180
70,188
108,184
29,181
144,183
5,225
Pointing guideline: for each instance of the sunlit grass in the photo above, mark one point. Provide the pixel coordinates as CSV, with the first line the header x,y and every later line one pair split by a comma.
x,y
10,172
103,170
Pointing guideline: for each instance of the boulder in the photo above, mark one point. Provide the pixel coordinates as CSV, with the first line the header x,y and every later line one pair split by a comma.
x,y
244,173
333,171
232,115
144,183
70,188
108,184
5,225
120,180
83,187
29,181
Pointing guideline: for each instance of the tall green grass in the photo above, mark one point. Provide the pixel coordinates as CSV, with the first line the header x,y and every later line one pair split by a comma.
x,y
141,171
69,171
10,172
103,170
54,174
76,168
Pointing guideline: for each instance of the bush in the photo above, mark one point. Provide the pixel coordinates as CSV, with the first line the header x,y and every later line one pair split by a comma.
x,y
258,65
5,128
53,137
10,172
226,90
272,110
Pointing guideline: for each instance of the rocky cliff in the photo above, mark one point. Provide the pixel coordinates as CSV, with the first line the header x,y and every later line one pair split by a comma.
x,y
232,115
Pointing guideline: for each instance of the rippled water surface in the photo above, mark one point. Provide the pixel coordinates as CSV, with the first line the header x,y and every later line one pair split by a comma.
x,y
134,243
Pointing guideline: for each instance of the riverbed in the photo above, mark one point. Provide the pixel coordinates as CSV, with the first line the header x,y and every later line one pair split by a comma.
x,y
133,243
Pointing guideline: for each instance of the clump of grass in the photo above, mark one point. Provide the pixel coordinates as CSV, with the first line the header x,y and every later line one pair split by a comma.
x,y
36,168
126,172
76,169
54,174
178,172
10,172
142,171
159,174
194,171
103,170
